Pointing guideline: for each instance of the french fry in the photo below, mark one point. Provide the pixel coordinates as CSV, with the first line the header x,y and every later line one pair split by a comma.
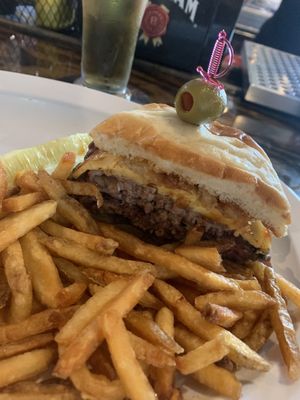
x,y
83,346
170,246
100,363
163,273
21,346
70,295
51,186
243,275
3,184
4,292
39,396
71,271
260,332
77,215
222,316
88,311
240,353
165,320
189,292
193,236
283,326
149,330
65,166
243,271
89,258
93,242
2,316
176,395
228,364
164,378
3,214
94,288
19,283
36,306
145,367
241,300
102,278
124,359
74,356
40,234
236,276
175,263
22,202
248,284
46,282
37,323
68,207
244,326
17,225
149,314
24,366
77,188
59,219
34,388
203,356
97,387
212,376
209,257
151,354
27,181
287,288
259,271
222,245
160,271
28,390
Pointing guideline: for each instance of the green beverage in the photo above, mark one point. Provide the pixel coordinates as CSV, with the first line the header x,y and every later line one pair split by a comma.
x,y
110,30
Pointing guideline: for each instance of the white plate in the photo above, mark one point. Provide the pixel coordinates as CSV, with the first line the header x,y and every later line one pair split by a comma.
x,y
34,110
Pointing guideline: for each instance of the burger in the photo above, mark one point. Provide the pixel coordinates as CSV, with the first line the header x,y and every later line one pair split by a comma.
x,y
167,177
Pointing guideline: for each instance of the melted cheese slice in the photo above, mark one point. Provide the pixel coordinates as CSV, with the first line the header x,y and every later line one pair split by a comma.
x,y
186,195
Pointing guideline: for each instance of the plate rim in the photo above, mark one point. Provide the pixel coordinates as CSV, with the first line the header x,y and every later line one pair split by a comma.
x,y
40,88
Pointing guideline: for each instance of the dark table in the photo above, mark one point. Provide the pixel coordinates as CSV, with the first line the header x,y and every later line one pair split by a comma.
x,y
57,57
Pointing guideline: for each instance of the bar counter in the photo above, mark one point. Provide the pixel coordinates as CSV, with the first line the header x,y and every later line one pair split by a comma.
x,y
57,57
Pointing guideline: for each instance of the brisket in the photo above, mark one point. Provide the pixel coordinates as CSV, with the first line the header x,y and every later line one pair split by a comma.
x,y
158,214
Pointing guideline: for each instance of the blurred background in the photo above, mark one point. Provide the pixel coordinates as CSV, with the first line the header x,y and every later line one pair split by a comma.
x,y
190,31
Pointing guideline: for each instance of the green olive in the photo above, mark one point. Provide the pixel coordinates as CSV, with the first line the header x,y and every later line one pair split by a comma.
x,y
199,101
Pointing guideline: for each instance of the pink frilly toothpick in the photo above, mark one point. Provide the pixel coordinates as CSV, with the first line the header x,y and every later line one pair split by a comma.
x,y
212,75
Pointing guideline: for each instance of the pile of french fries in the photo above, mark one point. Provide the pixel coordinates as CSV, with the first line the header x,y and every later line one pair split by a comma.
x,y
90,311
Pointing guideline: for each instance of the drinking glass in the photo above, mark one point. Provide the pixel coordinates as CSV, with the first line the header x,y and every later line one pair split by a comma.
x,y
110,31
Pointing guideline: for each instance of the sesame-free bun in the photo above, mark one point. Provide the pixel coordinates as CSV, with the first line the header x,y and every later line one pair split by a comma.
x,y
223,160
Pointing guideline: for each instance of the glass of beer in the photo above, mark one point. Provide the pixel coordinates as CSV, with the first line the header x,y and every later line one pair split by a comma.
x,y
110,31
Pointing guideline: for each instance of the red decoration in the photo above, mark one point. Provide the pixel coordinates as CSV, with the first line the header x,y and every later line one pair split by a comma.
x,y
155,21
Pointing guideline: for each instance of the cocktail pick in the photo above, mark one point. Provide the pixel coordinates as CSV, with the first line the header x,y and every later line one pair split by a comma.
x,y
203,100
212,73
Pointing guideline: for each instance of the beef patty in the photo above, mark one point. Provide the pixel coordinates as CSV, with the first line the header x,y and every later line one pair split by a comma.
x,y
158,214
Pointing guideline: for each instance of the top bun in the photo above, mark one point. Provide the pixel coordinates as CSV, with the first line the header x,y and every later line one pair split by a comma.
x,y
222,160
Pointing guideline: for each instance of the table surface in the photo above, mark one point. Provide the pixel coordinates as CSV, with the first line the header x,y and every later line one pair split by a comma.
x,y
59,58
